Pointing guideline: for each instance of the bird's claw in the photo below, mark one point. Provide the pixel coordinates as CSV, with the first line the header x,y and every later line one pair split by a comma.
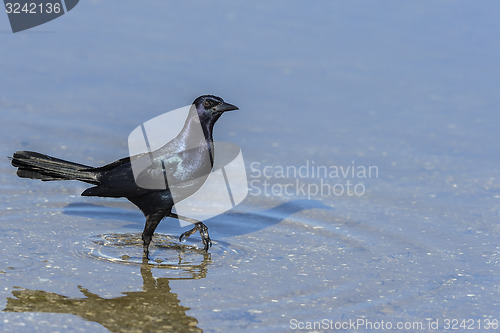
x,y
205,238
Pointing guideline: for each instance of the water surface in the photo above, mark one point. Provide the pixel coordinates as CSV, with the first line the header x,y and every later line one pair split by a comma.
x,y
408,88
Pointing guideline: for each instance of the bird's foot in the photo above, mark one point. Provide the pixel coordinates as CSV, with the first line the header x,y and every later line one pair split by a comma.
x,y
207,242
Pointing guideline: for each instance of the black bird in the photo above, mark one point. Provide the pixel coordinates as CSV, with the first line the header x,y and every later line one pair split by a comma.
x,y
184,162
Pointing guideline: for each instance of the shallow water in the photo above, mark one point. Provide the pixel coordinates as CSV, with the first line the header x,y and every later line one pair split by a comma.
x,y
406,89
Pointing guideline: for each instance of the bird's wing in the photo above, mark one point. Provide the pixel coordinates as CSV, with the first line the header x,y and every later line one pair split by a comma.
x,y
126,177
117,180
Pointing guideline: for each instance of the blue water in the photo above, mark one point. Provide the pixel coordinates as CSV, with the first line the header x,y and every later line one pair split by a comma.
x,y
407,88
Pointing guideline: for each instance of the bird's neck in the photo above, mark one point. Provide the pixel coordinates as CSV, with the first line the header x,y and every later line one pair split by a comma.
x,y
196,132
195,135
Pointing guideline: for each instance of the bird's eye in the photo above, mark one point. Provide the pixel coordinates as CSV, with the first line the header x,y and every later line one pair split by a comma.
x,y
207,103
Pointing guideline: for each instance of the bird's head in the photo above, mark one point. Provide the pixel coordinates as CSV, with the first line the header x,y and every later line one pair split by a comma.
x,y
210,108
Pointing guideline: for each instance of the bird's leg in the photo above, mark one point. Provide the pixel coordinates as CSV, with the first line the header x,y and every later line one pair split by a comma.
x,y
198,226
152,222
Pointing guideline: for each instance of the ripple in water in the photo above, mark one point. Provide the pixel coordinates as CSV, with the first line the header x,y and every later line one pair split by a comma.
x,y
17,263
185,260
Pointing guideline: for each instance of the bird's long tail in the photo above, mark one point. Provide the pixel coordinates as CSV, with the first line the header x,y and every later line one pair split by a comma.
x,y
39,166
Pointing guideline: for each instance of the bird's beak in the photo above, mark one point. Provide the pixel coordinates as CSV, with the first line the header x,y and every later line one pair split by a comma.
x,y
225,107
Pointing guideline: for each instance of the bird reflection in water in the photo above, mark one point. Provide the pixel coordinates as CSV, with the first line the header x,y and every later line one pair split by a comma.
x,y
154,309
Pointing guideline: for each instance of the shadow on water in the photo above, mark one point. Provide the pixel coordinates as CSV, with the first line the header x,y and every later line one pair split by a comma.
x,y
85,209
238,223
154,309
231,223
167,251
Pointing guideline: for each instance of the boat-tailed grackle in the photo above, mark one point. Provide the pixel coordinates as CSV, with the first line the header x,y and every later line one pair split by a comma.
x,y
186,160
